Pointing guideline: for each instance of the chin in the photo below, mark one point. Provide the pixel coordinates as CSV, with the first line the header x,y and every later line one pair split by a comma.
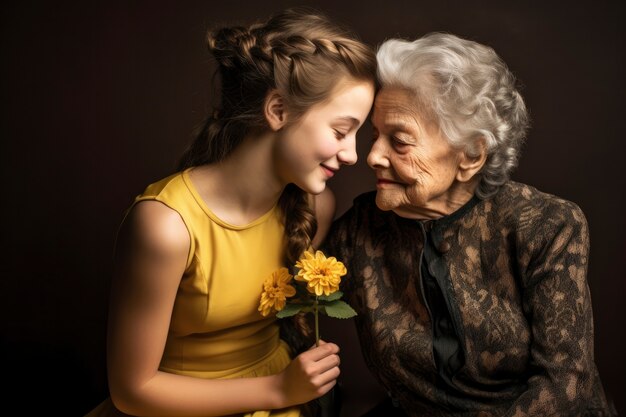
x,y
383,203
313,188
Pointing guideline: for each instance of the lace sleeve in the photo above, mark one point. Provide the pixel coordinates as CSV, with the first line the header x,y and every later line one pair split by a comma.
x,y
557,303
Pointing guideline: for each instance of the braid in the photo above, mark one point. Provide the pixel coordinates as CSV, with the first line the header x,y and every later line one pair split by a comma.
x,y
300,223
300,227
246,75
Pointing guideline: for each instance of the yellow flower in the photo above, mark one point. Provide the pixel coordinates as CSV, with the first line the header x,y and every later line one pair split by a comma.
x,y
276,289
321,274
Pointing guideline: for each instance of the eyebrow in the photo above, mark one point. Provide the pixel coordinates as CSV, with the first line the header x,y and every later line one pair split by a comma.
x,y
402,126
395,126
352,120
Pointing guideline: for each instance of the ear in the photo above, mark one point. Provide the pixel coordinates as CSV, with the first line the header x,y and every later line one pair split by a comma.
x,y
470,165
274,109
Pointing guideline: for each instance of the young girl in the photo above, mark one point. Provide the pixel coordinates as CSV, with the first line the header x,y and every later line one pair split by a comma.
x,y
185,334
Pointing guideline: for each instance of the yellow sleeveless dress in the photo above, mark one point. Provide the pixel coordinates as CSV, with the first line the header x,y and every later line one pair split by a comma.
x,y
216,330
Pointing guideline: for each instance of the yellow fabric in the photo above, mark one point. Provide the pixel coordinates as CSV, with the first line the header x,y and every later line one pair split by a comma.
x,y
216,330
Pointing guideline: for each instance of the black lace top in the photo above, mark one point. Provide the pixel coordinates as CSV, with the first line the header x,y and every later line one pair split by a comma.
x,y
485,312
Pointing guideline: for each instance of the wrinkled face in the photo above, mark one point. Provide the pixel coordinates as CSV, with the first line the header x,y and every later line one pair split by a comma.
x,y
415,165
313,149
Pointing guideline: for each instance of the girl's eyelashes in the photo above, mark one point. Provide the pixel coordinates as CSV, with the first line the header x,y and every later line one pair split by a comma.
x,y
339,134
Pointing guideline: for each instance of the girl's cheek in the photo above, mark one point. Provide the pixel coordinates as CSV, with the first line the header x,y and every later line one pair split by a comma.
x,y
331,148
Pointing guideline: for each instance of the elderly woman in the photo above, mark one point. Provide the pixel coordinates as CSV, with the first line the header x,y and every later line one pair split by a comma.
x,y
471,289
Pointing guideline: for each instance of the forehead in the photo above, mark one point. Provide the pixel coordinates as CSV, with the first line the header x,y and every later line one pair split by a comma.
x,y
395,105
350,99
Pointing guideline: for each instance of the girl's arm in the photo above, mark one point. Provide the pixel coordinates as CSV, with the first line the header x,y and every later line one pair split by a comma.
x,y
151,256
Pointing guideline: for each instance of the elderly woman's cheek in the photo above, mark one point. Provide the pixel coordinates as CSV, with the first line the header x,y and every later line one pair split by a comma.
x,y
420,170
410,167
414,174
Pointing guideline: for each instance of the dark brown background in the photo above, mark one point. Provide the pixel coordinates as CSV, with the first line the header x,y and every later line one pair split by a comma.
x,y
100,98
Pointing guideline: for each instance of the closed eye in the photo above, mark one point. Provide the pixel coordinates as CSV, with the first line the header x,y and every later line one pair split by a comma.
x,y
398,142
339,134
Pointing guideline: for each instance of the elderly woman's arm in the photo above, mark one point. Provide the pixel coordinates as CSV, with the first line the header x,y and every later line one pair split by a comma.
x,y
557,304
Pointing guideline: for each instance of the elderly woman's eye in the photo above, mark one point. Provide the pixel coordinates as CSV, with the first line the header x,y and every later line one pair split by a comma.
x,y
398,142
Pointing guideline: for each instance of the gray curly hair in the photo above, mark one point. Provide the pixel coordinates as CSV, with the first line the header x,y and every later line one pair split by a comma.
x,y
468,91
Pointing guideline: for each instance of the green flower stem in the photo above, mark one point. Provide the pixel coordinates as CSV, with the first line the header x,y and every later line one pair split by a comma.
x,y
317,327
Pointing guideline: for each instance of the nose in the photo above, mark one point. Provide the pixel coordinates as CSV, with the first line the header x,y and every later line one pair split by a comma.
x,y
347,154
377,158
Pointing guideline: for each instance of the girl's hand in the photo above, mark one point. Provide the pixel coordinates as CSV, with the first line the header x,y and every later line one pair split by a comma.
x,y
309,375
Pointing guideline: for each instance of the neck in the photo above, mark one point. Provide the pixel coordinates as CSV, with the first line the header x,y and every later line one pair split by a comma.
x,y
244,186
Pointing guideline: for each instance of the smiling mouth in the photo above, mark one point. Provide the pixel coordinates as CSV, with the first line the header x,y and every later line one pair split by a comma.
x,y
382,183
329,171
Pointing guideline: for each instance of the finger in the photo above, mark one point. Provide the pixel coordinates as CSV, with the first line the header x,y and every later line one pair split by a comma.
x,y
327,363
335,346
317,353
322,342
326,376
329,377
324,389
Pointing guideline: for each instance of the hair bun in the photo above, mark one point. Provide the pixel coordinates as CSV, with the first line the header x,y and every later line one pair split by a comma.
x,y
231,46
